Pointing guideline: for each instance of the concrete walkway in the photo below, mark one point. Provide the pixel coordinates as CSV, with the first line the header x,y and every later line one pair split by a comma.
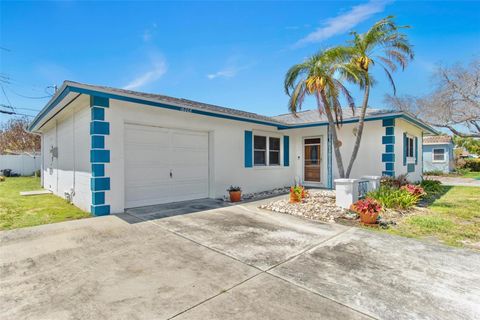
x,y
231,262
455,181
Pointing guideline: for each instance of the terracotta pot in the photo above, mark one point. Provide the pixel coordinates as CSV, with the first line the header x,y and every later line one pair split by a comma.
x,y
294,198
235,196
368,218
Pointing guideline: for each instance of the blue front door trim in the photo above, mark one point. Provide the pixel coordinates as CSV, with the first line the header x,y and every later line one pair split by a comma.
x,y
286,151
248,149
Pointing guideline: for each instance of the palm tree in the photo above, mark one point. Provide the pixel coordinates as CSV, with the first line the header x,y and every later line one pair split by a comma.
x,y
383,45
319,76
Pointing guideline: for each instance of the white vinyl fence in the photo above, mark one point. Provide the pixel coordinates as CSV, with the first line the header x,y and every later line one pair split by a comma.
x,y
22,164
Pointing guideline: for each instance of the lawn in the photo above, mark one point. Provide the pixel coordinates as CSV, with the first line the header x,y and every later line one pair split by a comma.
x,y
472,174
24,211
453,218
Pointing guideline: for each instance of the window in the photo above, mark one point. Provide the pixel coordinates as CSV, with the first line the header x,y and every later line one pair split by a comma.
x,y
259,150
266,151
274,151
410,147
438,155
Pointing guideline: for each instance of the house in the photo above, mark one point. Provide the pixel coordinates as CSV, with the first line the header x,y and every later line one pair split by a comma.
x,y
109,149
438,153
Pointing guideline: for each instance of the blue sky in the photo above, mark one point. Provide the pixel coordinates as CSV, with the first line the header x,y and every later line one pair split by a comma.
x,y
227,53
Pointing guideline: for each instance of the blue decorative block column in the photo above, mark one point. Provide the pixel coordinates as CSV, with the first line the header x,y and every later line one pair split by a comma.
x,y
99,155
388,140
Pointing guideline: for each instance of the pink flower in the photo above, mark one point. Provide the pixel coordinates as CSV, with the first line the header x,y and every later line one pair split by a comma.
x,y
367,205
414,190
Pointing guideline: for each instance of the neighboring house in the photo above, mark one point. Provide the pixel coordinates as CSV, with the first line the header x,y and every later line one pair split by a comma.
x,y
109,149
438,153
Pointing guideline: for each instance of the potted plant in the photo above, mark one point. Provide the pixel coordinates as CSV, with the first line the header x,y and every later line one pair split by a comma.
x,y
235,193
297,193
368,209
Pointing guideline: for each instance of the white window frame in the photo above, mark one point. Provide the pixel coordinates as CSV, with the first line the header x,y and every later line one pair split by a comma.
x,y
279,151
411,159
264,150
267,150
444,155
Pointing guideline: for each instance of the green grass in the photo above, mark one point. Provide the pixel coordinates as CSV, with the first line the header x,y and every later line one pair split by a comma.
x,y
24,211
472,174
454,217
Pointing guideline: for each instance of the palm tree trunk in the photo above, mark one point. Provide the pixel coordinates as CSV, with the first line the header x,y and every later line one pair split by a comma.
x,y
361,122
333,130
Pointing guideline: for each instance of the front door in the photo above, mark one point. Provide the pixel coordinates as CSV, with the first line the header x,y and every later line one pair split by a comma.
x,y
312,160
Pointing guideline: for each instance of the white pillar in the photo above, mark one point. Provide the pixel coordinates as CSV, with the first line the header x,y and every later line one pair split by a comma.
x,y
373,182
346,192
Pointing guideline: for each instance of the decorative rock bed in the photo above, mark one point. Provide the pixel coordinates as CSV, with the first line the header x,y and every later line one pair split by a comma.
x,y
261,195
319,205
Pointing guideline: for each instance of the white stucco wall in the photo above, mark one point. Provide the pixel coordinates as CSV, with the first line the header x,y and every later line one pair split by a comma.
x,y
369,157
226,150
69,132
402,126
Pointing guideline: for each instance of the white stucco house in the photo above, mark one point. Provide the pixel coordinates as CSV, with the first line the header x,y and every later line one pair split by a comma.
x,y
108,149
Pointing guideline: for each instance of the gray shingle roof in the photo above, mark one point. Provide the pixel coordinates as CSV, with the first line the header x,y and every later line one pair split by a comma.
x,y
437,139
181,102
312,116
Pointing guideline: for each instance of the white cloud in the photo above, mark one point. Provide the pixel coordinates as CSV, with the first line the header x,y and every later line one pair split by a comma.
x,y
156,69
345,21
231,69
228,72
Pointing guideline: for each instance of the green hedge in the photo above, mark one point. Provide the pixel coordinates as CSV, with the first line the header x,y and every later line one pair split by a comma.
x,y
472,164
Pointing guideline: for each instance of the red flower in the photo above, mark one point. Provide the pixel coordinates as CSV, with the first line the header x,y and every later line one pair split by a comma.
x,y
414,190
367,205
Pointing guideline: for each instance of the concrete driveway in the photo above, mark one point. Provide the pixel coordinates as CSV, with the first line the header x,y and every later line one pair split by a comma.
x,y
231,262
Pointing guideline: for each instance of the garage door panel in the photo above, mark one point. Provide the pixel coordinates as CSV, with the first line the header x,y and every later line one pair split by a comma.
x,y
138,175
151,153
194,140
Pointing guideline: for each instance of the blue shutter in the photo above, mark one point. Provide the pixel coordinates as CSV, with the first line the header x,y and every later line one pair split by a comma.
x,y
405,143
416,150
286,151
248,149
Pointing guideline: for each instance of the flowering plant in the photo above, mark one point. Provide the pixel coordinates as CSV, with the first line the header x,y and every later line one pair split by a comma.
x,y
414,190
367,205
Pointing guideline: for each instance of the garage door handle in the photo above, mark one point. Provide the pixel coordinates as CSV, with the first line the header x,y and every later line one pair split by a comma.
x,y
171,174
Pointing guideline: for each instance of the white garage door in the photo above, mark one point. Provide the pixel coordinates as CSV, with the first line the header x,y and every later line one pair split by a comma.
x,y
164,165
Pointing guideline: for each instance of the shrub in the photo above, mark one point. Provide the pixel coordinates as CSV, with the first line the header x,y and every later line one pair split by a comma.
x,y
462,171
431,186
472,164
394,198
417,191
434,173
394,182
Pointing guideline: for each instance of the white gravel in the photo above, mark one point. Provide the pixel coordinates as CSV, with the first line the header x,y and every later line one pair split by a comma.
x,y
319,205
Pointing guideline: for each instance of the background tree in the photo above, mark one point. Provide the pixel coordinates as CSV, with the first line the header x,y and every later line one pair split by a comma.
x,y
320,76
454,103
382,45
472,145
15,139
